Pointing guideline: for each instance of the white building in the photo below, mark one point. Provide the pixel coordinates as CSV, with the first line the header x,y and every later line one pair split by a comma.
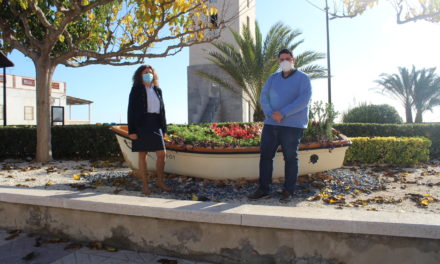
x,y
207,102
21,100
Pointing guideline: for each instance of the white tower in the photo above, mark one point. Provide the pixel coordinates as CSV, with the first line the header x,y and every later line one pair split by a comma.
x,y
207,102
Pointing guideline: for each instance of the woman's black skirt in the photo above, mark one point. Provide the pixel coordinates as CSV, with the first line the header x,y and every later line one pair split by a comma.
x,y
150,136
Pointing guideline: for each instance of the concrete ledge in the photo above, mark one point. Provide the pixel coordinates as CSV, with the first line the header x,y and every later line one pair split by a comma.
x,y
291,218
222,232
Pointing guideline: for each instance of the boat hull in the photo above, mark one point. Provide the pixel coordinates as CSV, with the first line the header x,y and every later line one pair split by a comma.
x,y
233,165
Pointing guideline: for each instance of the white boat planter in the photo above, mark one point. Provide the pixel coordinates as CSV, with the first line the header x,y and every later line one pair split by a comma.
x,y
233,163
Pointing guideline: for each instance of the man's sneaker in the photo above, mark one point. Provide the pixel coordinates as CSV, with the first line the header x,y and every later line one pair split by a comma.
x,y
286,197
258,194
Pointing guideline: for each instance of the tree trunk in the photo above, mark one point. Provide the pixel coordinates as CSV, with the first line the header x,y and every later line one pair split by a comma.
x,y
419,117
408,112
259,115
44,71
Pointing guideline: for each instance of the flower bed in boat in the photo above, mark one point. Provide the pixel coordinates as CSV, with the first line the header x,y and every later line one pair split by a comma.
x,y
240,137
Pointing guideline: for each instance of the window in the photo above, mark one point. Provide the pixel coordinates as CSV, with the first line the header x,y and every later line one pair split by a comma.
x,y
213,1
55,86
247,21
28,113
28,82
248,3
1,78
1,112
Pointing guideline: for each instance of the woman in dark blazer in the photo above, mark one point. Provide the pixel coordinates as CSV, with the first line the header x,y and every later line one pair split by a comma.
x,y
147,123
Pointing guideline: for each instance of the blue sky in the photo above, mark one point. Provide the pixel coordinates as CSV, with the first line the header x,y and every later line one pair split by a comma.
x,y
361,49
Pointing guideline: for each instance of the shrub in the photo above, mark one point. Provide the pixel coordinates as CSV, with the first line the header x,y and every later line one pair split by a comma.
x,y
17,142
388,150
382,114
68,142
428,130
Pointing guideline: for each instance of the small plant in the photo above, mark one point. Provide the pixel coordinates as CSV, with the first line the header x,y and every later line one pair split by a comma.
x,y
321,120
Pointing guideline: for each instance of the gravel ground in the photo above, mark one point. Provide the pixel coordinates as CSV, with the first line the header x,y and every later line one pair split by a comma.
x,y
373,188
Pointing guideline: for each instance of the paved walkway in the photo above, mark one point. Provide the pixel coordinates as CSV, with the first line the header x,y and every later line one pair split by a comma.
x,y
28,249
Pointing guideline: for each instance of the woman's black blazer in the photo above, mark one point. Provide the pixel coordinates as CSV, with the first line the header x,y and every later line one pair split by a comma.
x,y
138,108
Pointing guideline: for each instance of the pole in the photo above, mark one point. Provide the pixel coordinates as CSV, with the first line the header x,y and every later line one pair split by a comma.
x,y
328,55
4,96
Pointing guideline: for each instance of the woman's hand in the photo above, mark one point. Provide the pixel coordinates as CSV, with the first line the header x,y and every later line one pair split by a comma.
x,y
133,136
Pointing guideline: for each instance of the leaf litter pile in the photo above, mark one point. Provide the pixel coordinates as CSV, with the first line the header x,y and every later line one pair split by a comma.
x,y
372,188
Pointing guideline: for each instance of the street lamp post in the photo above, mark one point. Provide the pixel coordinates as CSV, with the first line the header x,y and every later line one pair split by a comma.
x,y
4,62
329,77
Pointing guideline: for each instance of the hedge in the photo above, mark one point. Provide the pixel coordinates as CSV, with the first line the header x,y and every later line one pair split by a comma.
x,y
388,150
428,130
68,142
99,142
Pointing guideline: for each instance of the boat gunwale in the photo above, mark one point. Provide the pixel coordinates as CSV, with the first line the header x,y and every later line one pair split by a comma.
x,y
345,142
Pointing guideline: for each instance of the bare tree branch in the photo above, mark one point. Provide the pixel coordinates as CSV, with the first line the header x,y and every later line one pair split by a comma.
x,y
41,17
27,30
418,17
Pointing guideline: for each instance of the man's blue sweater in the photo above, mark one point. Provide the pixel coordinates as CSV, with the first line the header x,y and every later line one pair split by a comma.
x,y
290,96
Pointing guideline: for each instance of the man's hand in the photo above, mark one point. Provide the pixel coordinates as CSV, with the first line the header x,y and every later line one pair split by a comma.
x,y
133,136
277,116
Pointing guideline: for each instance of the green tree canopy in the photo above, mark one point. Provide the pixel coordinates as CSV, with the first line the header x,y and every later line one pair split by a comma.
x,y
252,60
77,33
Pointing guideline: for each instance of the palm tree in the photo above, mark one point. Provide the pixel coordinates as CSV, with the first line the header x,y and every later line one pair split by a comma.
x,y
251,62
426,94
400,86
418,89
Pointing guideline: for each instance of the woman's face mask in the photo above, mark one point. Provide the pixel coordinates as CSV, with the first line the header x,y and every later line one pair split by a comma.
x,y
147,77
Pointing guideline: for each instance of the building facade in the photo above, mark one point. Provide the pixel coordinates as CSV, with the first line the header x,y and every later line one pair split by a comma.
x,y
207,101
21,100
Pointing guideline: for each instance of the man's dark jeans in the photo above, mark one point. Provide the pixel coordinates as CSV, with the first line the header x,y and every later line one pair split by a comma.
x,y
289,139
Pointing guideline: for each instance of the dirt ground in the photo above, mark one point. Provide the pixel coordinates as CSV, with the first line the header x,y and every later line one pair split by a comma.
x,y
372,188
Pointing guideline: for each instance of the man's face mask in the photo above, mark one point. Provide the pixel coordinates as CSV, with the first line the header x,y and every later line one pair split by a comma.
x,y
286,65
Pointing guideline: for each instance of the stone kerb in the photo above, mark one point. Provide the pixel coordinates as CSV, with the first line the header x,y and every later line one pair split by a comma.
x,y
309,219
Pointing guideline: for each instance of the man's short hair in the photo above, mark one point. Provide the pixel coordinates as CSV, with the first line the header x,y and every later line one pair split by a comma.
x,y
285,51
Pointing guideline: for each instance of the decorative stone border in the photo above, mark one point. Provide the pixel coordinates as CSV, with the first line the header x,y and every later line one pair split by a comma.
x,y
291,218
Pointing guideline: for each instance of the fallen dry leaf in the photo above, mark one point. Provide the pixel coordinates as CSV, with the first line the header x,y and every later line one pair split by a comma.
x,y
13,234
167,261
73,246
95,245
30,256
117,191
111,249
314,198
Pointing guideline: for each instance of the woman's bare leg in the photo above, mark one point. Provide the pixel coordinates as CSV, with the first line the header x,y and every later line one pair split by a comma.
x,y
160,165
142,172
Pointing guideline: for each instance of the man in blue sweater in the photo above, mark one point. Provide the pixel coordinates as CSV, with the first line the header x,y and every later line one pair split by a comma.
x,y
285,102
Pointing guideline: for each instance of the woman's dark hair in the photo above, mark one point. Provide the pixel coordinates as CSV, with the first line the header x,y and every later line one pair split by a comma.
x,y
137,76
